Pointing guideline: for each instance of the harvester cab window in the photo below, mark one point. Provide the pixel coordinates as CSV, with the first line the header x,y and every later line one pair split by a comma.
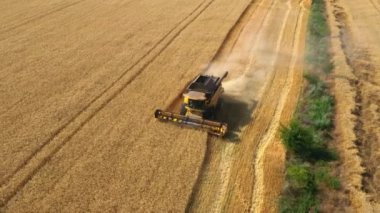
x,y
197,104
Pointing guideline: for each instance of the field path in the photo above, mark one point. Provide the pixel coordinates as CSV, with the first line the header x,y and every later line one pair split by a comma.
x,y
245,171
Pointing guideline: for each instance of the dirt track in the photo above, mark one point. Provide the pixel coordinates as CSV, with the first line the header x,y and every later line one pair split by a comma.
x,y
80,81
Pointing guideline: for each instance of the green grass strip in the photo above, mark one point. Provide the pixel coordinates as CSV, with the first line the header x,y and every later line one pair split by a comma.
x,y
306,136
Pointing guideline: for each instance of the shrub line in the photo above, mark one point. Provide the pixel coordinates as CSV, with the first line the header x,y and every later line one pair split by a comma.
x,y
307,135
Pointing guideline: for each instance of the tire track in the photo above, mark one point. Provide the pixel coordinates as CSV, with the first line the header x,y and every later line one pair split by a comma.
x,y
206,160
40,16
12,106
12,184
375,5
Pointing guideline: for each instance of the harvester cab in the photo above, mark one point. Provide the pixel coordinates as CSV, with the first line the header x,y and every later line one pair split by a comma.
x,y
194,104
201,102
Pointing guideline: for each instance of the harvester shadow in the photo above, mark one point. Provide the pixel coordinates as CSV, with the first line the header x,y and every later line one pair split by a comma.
x,y
237,114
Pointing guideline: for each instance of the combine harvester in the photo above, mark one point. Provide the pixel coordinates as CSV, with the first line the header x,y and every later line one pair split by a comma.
x,y
201,101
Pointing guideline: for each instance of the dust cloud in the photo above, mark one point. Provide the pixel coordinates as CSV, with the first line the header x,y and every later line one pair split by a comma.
x,y
248,71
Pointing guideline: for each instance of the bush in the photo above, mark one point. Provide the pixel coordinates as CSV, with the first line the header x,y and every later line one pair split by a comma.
x,y
300,141
301,177
319,104
304,202
320,112
304,143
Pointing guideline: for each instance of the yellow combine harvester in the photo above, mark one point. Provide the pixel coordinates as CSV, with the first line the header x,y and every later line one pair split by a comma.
x,y
201,101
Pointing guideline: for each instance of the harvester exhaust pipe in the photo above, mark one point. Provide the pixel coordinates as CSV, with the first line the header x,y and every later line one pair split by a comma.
x,y
222,78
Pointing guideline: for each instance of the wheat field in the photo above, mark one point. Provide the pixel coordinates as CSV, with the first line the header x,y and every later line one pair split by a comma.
x,y
80,81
